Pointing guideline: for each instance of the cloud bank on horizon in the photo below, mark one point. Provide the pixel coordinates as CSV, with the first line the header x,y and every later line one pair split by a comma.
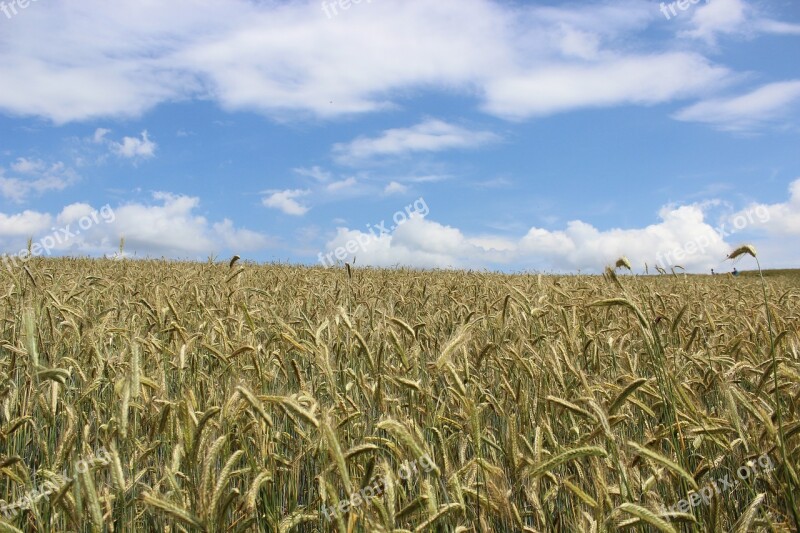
x,y
552,135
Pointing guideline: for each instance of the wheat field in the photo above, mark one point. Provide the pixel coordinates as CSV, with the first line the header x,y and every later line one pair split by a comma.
x,y
244,397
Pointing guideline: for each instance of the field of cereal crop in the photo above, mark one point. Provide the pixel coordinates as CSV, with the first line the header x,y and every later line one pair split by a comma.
x,y
170,396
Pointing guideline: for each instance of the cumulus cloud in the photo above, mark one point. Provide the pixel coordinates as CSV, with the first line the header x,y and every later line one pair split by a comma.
x,y
746,112
23,224
429,136
683,235
234,238
34,176
779,220
286,201
773,228
581,246
395,188
132,147
417,242
169,226
141,147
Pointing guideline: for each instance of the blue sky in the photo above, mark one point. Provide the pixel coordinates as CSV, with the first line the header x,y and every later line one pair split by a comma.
x,y
549,136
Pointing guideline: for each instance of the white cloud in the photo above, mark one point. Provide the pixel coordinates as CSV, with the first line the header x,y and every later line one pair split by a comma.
x,y
395,188
23,224
167,227
642,80
717,16
285,201
430,178
774,228
28,166
746,112
683,236
578,43
141,147
134,147
778,27
172,227
238,239
73,213
34,176
314,172
340,185
779,220
582,246
733,17
81,61
100,135
428,136
417,242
